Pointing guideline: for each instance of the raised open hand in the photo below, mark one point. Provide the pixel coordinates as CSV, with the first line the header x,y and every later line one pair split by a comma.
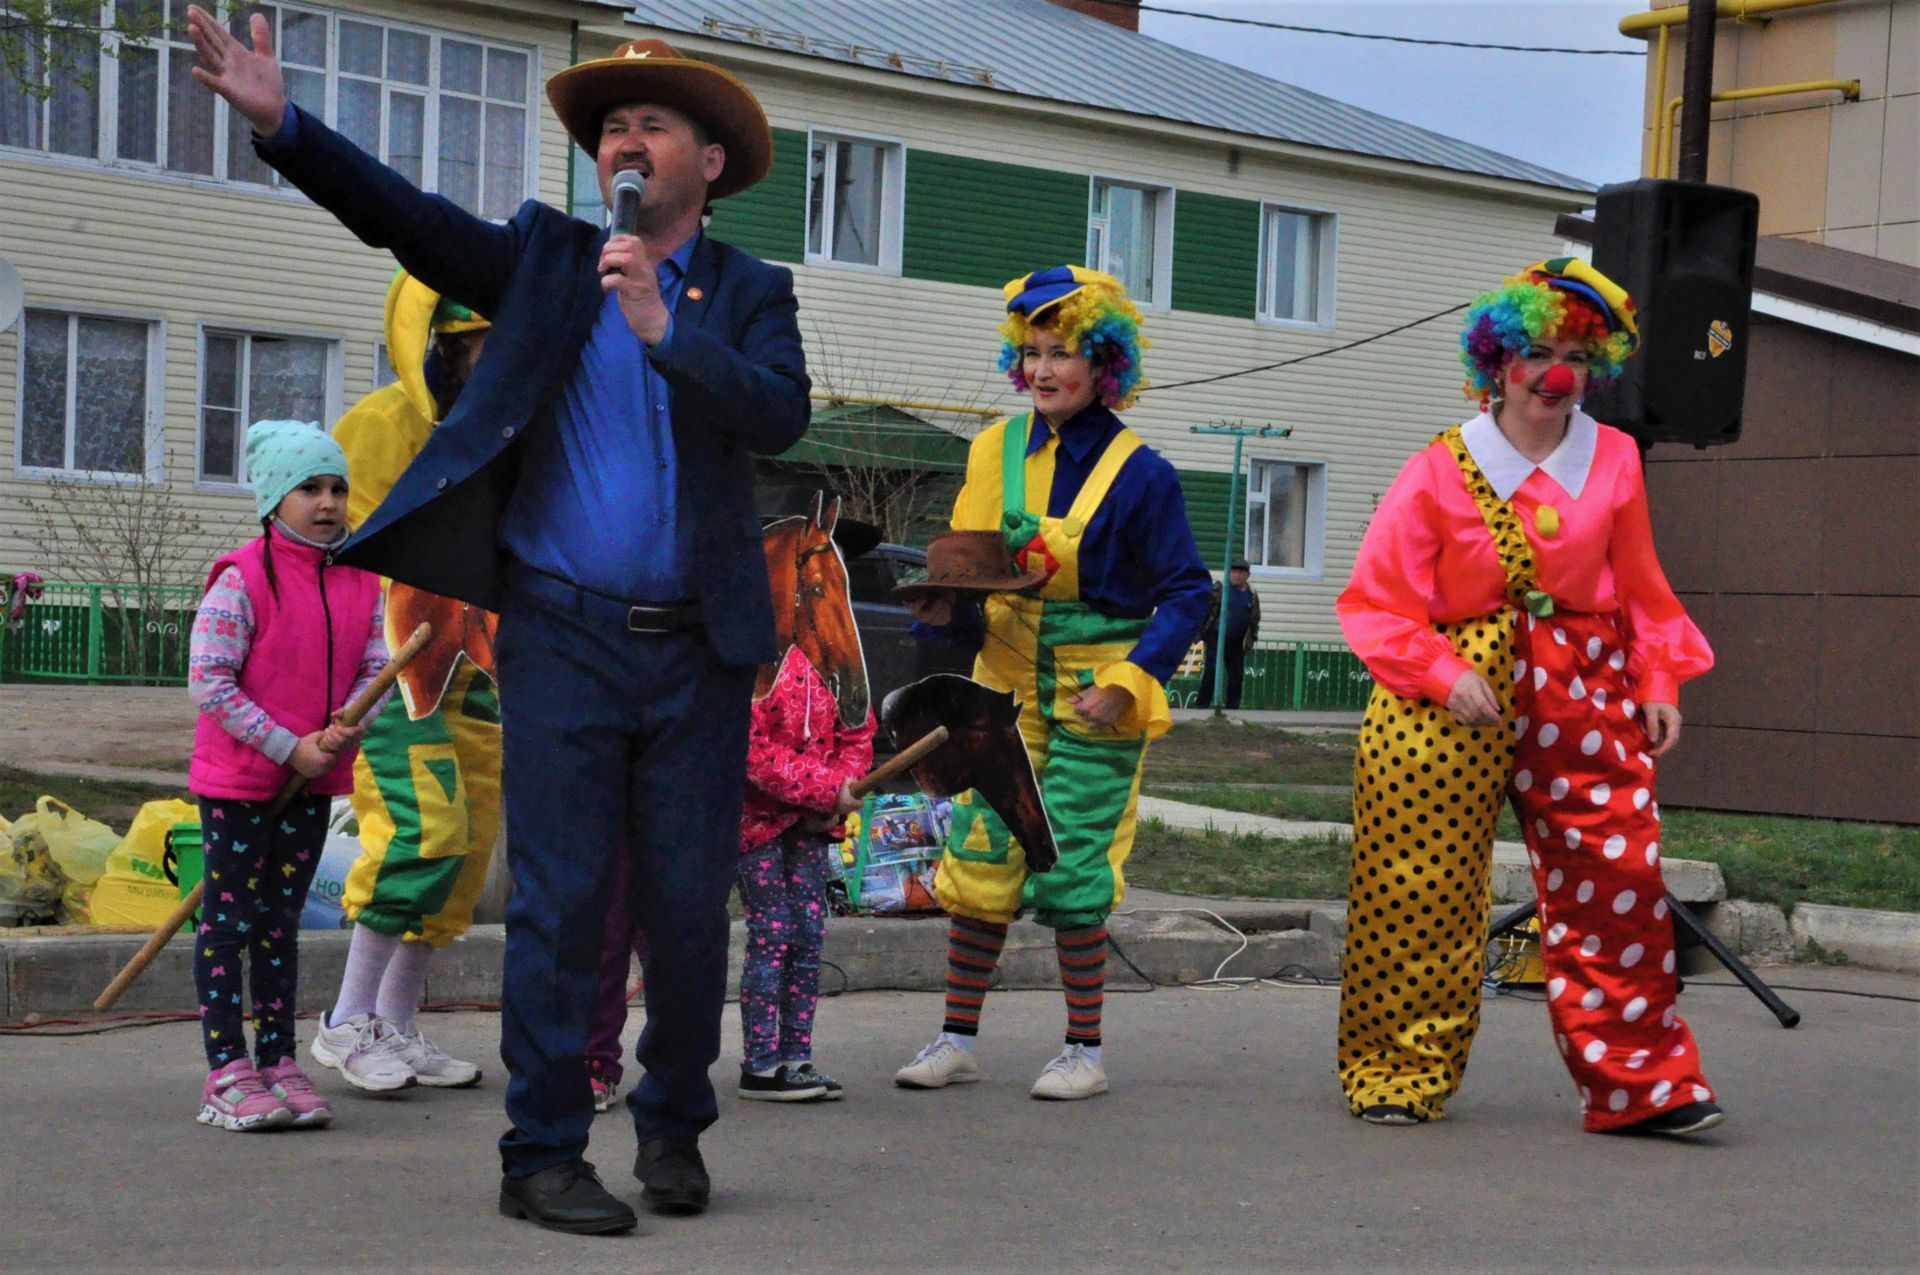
x,y
249,79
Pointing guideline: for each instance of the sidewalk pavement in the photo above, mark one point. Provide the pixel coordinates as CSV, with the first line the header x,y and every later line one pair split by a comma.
x,y
1224,1146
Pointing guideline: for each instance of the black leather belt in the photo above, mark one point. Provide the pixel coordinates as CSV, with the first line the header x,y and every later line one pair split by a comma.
x,y
670,617
635,617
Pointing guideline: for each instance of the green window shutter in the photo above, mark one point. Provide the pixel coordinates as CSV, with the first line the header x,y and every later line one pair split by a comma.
x,y
1206,497
979,222
769,218
1216,254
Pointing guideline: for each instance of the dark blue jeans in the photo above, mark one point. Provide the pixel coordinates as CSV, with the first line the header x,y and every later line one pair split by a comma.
x,y
613,737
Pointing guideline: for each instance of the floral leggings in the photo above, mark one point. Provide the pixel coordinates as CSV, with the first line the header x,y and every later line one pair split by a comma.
x,y
783,888
258,868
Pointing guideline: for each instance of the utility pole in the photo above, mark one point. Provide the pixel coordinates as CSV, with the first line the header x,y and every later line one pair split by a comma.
x,y
1696,90
1240,433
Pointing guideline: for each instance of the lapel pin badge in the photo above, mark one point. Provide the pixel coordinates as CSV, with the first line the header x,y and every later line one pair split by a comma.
x,y
694,294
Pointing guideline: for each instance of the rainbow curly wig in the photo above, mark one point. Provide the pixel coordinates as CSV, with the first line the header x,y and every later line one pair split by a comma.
x,y
1091,312
1564,299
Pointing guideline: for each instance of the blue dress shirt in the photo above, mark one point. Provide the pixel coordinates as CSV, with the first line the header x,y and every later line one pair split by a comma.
x,y
597,500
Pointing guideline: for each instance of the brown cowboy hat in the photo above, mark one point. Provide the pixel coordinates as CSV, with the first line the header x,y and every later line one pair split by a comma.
x,y
654,71
969,562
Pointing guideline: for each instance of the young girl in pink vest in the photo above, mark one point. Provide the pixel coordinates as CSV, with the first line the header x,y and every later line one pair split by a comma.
x,y
283,640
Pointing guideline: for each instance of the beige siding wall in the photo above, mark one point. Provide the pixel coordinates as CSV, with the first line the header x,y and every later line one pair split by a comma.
x,y
1405,249
1407,246
1842,173
191,253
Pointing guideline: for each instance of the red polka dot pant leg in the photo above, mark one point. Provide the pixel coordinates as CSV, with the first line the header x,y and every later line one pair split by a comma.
x,y
1583,786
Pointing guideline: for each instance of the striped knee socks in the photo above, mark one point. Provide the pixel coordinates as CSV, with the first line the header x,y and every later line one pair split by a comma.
x,y
1083,973
973,949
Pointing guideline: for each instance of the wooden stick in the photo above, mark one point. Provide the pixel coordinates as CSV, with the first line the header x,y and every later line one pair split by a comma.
x,y
905,759
351,715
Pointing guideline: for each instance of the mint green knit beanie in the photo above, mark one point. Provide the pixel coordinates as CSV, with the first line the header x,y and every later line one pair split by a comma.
x,y
283,454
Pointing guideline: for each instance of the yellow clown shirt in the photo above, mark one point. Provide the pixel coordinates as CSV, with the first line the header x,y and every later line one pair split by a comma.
x,y
1124,598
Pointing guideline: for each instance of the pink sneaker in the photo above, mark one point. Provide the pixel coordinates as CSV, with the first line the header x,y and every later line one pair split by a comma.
x,y
235,1099
290,1085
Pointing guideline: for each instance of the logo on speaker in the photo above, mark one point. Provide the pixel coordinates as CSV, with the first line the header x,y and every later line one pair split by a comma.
x,y
1719,338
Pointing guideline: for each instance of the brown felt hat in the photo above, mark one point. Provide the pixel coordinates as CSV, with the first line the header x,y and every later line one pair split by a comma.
x,y
969,562
653,71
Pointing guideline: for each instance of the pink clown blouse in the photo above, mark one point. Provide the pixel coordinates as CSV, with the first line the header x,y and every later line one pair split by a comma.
x,y
1428,559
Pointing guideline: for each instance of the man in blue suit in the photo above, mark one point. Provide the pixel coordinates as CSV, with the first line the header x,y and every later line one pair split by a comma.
x,y
594,486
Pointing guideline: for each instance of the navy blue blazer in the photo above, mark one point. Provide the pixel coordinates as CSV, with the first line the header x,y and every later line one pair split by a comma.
x,y
735,367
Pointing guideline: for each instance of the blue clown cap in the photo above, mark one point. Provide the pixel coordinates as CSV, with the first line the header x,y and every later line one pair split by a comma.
x,y
1032,295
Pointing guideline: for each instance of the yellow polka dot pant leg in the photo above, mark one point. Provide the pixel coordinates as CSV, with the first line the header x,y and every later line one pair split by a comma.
x,y
1427,792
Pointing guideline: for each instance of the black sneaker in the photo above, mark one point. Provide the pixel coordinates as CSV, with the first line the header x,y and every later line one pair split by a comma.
x,y
786,1084
807,1073
1695,1117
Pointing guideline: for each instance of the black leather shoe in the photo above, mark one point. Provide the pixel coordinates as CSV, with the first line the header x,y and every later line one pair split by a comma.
x,y
673,1174
566,1197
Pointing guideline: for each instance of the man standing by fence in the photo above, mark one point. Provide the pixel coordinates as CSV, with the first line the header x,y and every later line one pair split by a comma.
x,y
1243,630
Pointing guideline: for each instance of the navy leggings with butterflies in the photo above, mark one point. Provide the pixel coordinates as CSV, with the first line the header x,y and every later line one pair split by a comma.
x,y
258,868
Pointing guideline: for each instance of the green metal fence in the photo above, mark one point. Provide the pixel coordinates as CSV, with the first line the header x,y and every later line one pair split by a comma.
x,y
99,633
1285,674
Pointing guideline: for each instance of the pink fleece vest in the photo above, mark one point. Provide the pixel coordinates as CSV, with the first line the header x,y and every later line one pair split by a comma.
x,y
309,635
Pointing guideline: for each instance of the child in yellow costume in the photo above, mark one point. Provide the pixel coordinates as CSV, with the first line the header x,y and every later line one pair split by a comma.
x,y
426,788
1099,518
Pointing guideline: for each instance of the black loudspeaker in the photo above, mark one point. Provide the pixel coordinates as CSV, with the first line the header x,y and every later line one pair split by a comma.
x,y
1684,252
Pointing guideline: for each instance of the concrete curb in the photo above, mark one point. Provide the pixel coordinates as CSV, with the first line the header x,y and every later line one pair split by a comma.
x,y
1865,936
59,976
1163,935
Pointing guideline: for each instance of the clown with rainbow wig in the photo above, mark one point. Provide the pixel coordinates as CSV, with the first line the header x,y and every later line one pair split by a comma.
x,y
1526,647
1095,520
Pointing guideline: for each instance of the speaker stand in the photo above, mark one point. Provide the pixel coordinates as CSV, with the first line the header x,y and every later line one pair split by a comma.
x,y
1682,915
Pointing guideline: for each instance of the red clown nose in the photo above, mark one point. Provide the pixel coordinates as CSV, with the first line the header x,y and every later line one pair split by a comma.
x,y
1558,380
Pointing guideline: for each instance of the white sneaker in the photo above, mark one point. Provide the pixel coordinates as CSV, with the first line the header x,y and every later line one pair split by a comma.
x,y
940,1064
366,1051
1072,1075
433,1066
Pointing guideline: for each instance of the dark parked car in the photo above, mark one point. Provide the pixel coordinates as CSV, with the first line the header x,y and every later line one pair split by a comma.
x,y
894,656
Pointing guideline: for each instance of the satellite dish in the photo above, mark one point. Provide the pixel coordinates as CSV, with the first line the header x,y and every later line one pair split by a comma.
x,y
12,294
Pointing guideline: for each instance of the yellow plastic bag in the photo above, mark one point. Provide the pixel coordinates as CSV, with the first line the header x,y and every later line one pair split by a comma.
x,y
134,889
58,854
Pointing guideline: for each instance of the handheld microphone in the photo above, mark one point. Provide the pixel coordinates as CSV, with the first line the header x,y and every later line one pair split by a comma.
x,y
628,187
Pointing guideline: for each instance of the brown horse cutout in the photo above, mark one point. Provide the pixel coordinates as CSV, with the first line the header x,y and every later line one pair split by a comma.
x,y
813,608
459,628
983,752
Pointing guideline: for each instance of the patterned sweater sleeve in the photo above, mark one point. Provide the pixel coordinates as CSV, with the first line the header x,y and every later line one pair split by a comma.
x,y
222,636
373,659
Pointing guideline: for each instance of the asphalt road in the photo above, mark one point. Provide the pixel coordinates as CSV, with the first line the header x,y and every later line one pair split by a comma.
x,y
1223,1146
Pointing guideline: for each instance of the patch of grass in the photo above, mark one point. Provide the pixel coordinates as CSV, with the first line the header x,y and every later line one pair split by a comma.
x,y
111,801
1248,866
1209,752
1277,803
1775,859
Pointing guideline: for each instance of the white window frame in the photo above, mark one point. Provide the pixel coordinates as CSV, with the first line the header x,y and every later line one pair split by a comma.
x,y
383,373
893,202
1164,198
247,332
153,457
1326,228
107,139
1314,555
